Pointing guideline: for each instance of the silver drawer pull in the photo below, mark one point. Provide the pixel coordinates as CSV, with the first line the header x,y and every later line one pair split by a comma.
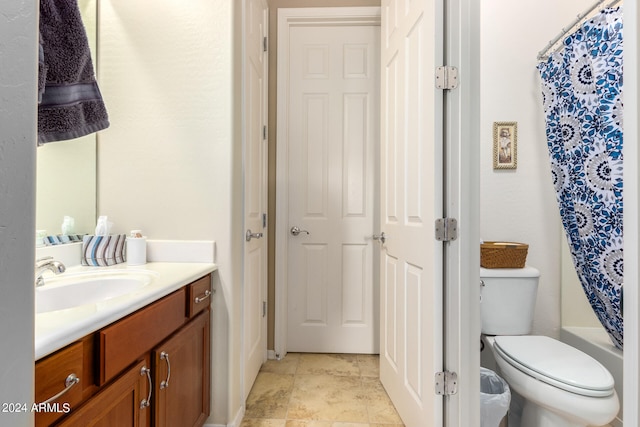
x,y
206,295
69,382
146,402
165,356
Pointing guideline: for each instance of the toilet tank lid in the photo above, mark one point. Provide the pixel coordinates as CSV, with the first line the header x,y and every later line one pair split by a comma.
x,y
527,271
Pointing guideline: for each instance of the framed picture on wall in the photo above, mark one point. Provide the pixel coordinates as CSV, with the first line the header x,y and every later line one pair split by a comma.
x,y
505,145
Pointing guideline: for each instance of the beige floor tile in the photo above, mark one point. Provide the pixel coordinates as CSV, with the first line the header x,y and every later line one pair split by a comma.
x,y
379,405
262,422
369,365
320,390
328,398
270,396
328,364
374,390
384,414
307,423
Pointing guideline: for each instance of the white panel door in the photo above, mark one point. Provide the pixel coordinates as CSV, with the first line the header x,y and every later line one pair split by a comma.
x,y
333,144
411,346
255,192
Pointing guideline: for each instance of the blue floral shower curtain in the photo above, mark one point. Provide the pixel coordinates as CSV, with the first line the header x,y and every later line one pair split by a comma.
x,y
582,95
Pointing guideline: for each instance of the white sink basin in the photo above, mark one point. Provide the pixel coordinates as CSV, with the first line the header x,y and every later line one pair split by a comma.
x,y
76,289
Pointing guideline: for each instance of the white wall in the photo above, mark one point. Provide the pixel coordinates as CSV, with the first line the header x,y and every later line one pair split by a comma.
x,y
170,163
18,56
520,205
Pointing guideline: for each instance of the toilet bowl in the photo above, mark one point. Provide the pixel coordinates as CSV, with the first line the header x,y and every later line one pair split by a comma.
x,y
561,386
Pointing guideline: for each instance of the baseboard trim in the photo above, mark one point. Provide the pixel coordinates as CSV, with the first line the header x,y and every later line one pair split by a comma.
x,y
235,423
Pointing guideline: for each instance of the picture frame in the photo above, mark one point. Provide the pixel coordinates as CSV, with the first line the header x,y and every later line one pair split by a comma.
x,y
505,145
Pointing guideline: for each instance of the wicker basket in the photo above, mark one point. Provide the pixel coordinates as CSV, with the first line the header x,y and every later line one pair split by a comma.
x,y
503,254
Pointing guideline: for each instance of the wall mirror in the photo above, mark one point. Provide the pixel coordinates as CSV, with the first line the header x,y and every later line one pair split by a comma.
x,y
66,170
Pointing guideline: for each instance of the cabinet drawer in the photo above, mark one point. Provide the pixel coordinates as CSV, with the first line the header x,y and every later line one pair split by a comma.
x,y
124,342
51,376
200,294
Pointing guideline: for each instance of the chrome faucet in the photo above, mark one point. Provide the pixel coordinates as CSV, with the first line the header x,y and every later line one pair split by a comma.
x,y
47,263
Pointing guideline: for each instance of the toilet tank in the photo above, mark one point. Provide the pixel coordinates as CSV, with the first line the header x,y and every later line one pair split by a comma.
x,y
508,298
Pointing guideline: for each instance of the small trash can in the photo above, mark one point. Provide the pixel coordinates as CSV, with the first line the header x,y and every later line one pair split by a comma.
x,y
495,397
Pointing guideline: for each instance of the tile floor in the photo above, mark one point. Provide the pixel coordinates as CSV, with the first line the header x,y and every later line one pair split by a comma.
x,y
320,390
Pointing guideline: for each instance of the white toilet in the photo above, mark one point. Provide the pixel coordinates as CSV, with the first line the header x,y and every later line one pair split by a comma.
x,y
561,386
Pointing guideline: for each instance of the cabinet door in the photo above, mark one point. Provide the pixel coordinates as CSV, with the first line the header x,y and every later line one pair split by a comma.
x,y
182,376
119,404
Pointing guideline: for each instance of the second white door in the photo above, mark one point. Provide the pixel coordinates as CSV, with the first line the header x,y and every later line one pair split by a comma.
x,y
412,259
255,192
333,152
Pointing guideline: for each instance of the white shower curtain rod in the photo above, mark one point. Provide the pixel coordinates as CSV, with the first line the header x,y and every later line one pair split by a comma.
x,y
543,54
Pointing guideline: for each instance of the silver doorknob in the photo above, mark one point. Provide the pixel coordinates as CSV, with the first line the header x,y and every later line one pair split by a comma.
x,y
249,235
380,237
296,230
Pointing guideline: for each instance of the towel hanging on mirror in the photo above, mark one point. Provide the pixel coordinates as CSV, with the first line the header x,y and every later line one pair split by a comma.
x,y
69,102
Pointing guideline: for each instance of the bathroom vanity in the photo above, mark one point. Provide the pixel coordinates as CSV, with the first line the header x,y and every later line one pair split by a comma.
x,y
149,367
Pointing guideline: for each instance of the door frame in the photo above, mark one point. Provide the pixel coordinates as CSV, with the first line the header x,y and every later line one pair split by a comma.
x,y
288,17
462,136
462,172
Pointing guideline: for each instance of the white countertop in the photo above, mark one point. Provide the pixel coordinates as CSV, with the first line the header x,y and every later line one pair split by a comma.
x,y
56,329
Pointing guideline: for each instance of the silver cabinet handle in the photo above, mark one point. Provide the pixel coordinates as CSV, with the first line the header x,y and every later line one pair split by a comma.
x,y
146,402
206,295
249,235
380,237
165,356
295,230
69,382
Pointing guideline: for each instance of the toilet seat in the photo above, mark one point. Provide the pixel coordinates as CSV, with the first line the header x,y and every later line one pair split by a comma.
x,y
556,364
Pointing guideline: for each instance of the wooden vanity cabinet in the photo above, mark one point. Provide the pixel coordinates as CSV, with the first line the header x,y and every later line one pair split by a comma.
x,y
120,367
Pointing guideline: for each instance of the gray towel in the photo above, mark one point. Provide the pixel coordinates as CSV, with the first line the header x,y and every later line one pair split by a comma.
x,y
70,103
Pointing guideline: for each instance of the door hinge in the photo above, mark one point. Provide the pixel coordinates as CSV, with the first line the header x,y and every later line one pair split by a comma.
x,y
264,308
265,45
446,383
446,77
446,229
264,132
